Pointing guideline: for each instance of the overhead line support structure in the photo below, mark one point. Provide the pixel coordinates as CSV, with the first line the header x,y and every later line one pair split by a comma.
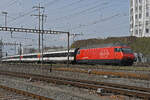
x,y
10,44
39,15
75,35
42,34
12,29
5,13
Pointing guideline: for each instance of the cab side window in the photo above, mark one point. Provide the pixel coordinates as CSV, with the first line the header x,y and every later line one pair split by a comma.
x,y
78,52
117,50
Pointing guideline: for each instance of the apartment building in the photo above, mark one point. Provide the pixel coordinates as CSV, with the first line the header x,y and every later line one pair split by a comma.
x,y
140,18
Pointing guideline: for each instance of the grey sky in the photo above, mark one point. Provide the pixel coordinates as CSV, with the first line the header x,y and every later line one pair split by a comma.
x,y
93,18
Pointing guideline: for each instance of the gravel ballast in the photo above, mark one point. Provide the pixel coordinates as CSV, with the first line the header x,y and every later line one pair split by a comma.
x,y
62,92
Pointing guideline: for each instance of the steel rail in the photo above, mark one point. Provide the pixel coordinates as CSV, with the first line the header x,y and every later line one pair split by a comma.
x,y
25,93
96,72
8,95
77,80
107,87
108,73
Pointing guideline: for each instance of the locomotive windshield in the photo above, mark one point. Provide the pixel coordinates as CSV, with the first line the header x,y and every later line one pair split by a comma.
x,y
126,50
118,50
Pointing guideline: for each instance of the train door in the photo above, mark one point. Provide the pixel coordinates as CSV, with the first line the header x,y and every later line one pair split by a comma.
x,y
117,54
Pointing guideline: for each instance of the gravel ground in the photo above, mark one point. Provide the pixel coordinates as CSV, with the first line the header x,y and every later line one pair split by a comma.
x,y
94,67
76,75
58,92
64,92
7,95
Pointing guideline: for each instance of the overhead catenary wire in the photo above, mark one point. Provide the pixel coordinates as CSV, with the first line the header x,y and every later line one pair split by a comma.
x,y
100,20
51,3
84,4
29,12
26,13
14,1
102,8
120,25
9,4
22,15
92,11
94,22
81,12
87,10
72,3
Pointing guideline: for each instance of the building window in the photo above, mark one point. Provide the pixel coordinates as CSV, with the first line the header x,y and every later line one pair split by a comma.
x,y
131,2
140,15
136,8
131,25
140,31
147,30
147,22
131,11
136,1
136,16
147,7
140,8
147,14
140,1
136,32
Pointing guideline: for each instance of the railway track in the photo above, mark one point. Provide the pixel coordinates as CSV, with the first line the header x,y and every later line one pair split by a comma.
x,y
104,87
137,67
8,95
13,94
133,75
109,73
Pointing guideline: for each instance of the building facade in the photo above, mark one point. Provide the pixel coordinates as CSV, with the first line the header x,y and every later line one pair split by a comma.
x,y
140,18
1,48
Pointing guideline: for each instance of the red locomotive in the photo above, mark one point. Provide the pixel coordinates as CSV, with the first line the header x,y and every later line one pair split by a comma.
x,y
118,55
